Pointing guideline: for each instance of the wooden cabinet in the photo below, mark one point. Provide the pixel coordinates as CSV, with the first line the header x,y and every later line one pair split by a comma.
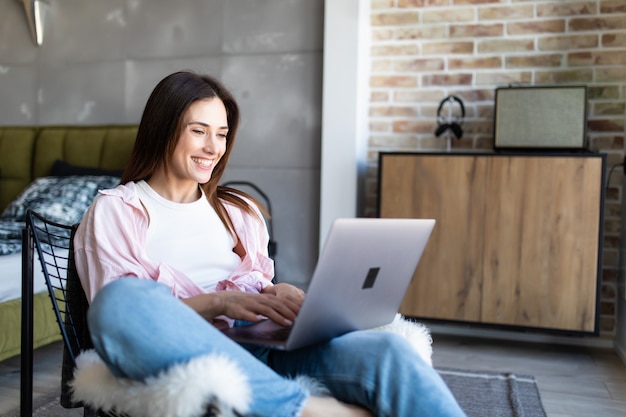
x,y
517,240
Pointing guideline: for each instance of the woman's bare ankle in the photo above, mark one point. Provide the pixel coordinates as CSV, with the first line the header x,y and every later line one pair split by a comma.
x,y
329,406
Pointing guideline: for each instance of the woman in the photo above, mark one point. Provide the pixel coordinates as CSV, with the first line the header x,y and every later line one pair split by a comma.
x,y
200,253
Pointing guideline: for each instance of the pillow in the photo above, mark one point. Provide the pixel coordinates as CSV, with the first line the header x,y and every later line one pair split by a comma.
x,y
63,169
60,199
10,237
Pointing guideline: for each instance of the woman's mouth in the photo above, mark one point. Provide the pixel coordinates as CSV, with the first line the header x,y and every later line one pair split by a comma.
x,y
205,163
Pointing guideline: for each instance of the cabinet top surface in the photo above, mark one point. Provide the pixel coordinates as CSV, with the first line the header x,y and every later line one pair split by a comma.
x,y
469,152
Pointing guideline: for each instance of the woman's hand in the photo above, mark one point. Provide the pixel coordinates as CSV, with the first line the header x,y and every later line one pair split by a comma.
x,y
255,307
286,292
280,306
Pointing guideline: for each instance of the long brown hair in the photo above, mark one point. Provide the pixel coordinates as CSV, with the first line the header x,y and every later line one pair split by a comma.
x,y
161,127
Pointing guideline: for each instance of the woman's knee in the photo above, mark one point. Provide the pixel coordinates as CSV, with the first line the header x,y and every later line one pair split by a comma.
x,y
394,347
379,339
119,298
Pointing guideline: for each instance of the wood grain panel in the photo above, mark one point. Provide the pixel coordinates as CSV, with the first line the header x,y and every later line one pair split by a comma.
x,y
516,240
541,242
446,283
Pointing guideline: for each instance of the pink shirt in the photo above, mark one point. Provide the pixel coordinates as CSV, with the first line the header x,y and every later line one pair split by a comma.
x,y
110,244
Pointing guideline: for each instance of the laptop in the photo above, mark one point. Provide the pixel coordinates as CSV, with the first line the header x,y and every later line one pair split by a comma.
x,y
359,282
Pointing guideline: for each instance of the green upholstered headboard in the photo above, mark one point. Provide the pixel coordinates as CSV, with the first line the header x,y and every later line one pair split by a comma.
x,y
30,152
16,161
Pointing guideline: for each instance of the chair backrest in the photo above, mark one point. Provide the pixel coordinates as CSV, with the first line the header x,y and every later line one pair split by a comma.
x,y
272,246
258,193
54,246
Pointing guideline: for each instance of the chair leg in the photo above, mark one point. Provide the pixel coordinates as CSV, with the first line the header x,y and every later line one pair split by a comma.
x,y
26,359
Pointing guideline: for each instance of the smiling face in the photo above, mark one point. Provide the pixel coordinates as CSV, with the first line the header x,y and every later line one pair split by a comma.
x,y
201,144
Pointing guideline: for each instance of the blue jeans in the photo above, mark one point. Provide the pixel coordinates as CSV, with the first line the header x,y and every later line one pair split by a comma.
x,y
139,329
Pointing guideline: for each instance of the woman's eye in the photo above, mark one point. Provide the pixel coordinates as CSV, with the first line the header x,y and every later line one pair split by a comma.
x,y
199,132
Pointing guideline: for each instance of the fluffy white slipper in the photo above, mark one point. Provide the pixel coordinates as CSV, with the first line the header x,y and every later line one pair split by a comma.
x,y
183,390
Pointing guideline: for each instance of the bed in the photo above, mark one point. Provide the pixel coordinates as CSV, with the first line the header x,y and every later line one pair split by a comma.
x,y
57,171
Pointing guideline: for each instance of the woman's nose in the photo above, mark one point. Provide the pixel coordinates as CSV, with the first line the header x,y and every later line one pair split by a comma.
x,y
211,143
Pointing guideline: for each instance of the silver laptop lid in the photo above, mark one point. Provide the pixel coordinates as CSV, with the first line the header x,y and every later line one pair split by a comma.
x,y
361,276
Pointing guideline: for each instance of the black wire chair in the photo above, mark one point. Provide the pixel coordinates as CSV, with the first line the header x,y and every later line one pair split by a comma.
x,y
53,243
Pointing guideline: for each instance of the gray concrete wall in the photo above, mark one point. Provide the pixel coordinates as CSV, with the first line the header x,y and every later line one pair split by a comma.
x,y
100,60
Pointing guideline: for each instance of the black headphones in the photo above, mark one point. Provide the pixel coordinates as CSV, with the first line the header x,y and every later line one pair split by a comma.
x,y
443,124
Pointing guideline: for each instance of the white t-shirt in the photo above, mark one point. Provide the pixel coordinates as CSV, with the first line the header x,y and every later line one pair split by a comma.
x,y
190,237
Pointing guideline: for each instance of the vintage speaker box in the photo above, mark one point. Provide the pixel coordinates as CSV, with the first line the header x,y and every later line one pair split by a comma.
x,y
542,117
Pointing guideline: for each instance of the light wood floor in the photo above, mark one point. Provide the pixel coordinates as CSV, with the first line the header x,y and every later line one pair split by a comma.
x,y
573,382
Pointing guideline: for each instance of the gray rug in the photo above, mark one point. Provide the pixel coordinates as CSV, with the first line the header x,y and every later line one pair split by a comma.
x,y
486,394
480,394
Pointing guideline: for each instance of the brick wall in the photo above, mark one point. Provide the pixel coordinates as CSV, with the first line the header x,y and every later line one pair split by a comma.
x,y
425,50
